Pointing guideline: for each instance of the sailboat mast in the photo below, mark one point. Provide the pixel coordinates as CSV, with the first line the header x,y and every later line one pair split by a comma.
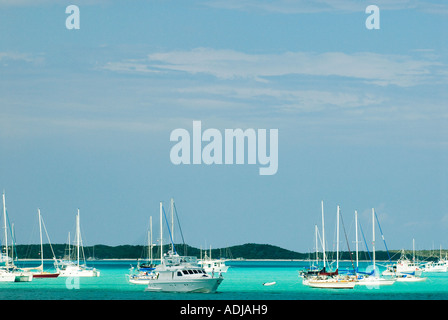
x,y
323,233
13,235
77,236
317,247
172,224
41,245
356,235
337,239
150,239
6,231
413,250
373,236
161,230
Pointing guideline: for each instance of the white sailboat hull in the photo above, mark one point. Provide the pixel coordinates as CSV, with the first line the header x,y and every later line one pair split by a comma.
x,y
7,277
413,271
417,271
414,279
409,278
330,284
75,271
79,274
375,281
140,279
15,275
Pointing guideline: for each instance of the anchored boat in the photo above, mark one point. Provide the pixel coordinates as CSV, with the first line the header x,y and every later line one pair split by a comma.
x,y
69,268
177,273
322,278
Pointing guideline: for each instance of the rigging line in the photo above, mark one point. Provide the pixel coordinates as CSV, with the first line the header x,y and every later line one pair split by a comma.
x,y
13,238
82,247
382,236
180,228
48,238
365,243
396,253
29,248
346,239
169,231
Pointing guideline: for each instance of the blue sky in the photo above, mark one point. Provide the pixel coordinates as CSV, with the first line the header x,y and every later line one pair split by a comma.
x,y
86,116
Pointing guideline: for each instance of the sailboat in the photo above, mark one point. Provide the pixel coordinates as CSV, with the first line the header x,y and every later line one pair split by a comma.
x,y
404,266
406,270
373,279
6,275
75,268
9,271
39,271
213,265
144,271
177,273
314,267
437,266
324,279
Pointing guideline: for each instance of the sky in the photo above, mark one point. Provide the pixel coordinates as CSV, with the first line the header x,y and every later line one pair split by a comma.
x,y
362,117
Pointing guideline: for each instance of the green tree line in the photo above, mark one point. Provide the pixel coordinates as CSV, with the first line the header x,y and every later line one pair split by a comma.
x,y
245,251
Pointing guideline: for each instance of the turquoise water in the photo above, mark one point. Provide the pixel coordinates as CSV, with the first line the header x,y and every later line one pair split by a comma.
x,y
243,281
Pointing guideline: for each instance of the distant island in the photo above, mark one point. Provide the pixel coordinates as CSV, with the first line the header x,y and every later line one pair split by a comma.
x,y
245,251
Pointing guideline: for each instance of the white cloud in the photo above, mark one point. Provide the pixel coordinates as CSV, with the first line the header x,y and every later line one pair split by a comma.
x,y
379,69
128,66
288,100
306,6
34,3
7,57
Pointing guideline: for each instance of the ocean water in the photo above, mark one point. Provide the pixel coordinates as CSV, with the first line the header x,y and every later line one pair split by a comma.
x,y
243,281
